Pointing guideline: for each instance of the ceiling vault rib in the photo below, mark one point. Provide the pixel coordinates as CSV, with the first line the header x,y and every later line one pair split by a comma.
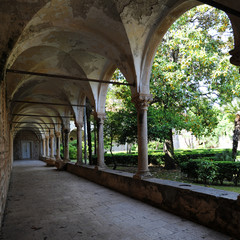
x,y
32,115
65,77
49,103
35,128
33,124
221,7
38,123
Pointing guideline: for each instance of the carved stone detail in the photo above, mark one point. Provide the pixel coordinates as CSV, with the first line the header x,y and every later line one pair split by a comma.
x,y
142,101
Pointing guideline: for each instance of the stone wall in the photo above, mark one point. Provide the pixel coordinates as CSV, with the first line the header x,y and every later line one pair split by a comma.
x,y
213,208
5,153
26,136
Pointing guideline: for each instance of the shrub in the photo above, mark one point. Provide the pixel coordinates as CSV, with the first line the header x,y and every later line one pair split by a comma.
x,y
224,156
190,168
155,158
212,170
207,171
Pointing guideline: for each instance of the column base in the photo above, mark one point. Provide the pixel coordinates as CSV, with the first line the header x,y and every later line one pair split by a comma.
x,y
50,162
43,158
79,163
58,159
60,164
101,167
142,175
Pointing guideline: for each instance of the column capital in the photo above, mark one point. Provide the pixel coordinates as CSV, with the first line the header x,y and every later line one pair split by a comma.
x,y
141,101
79,124
66,130
58,134
235,59
100,117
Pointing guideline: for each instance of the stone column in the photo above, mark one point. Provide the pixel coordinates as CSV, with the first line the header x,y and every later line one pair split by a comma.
x,y
79,143
47,146
100,145
141,102
58,135
44,147
52,146
66,145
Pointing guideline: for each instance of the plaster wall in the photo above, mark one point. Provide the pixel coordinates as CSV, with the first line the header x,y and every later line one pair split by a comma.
x,y
213,208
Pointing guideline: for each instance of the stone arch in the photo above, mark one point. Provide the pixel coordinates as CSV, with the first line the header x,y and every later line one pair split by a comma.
x,y
161,27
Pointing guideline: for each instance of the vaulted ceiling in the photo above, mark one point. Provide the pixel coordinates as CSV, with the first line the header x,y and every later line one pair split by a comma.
x,y
86,39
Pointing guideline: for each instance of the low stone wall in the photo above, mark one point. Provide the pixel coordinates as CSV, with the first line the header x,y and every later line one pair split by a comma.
x,y
213,208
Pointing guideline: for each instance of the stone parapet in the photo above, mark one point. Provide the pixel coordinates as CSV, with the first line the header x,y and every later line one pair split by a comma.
x,y
213,208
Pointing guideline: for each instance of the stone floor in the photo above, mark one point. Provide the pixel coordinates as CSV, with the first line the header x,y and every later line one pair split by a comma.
x,y
46,204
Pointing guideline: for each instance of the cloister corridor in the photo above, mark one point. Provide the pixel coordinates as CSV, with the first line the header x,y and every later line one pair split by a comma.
x,y
44,203
57,61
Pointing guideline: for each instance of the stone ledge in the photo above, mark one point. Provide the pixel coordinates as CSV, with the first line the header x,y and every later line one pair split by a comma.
x,y
50,162
213,208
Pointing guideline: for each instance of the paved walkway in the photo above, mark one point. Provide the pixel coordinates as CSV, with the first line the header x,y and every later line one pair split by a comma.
x,y
45,204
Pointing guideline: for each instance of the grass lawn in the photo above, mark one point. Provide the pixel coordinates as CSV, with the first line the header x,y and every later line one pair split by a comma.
x,y
175,175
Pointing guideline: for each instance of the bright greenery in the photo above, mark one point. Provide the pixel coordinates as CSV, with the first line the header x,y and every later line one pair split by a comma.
x,y
72,150
212,171
191,73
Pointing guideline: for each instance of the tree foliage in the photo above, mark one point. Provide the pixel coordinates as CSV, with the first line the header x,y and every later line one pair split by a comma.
x,y
191,75
191,71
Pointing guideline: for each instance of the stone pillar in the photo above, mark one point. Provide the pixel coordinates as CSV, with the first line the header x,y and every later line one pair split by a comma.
x,y
52,146
66,145
79,143
100,143
141,102
47,146
58,135
44,147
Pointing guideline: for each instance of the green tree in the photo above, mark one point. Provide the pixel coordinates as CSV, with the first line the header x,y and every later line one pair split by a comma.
x,y
233,113
121,123
191,73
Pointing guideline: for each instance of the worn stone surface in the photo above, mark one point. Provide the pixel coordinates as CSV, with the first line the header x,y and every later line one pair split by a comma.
x,y
5,151
61,206
87,39
217,209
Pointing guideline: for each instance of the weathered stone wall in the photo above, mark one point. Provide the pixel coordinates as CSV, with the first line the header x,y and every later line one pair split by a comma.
x,y
216,209
5,156
26,136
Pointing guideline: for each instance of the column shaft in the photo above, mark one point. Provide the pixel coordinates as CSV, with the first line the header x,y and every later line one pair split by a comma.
x,y
79,144
47,146
58,147
44,147
66,145
52,146
100,149
141,103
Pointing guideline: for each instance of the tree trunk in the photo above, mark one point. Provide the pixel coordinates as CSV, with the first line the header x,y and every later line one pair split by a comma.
x,y
169,152
236,134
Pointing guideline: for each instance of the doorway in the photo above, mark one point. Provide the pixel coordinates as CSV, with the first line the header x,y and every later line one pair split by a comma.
x,y
26,150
